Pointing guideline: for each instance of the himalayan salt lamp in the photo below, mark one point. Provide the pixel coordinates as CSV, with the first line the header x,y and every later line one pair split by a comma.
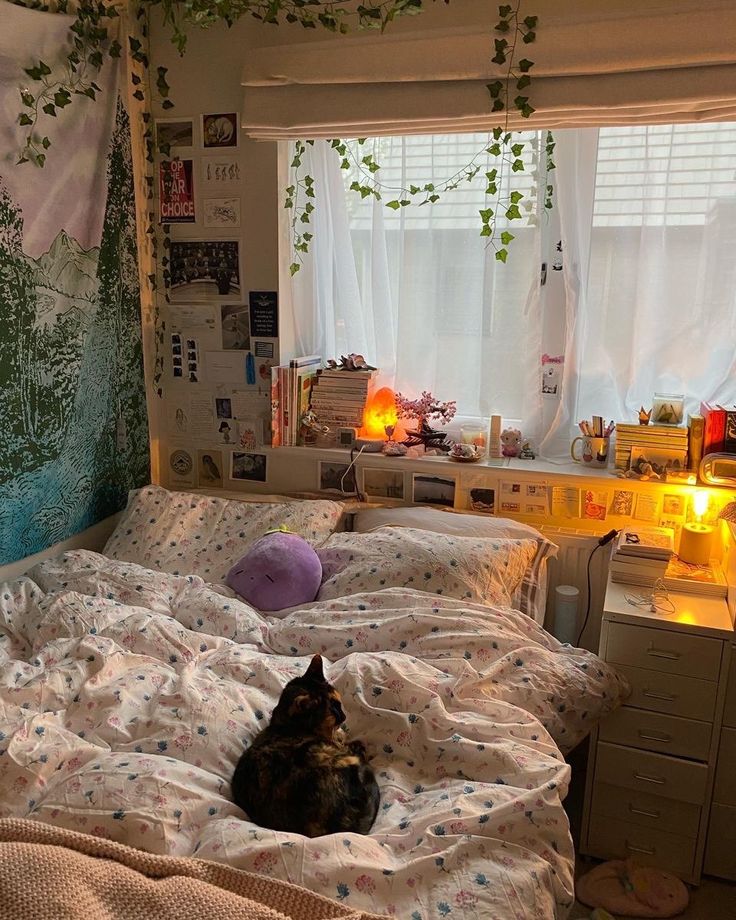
x,y
379,413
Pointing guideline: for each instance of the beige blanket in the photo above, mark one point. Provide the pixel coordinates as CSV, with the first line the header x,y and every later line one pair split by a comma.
x,y
47,873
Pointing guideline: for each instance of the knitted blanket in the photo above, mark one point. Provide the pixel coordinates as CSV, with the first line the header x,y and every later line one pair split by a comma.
x,y
47,873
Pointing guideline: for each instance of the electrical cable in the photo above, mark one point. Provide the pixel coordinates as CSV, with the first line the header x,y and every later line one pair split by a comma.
x,y
603,541
344,476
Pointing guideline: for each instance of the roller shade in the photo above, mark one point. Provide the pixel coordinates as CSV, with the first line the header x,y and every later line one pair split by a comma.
x,y
598,62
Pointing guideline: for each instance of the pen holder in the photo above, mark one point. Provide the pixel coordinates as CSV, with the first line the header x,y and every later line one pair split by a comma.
x,y
593,451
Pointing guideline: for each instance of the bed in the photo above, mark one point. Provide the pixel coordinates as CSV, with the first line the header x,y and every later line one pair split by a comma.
x,y
132,681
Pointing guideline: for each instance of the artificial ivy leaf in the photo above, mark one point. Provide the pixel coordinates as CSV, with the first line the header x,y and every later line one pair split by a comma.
x,y
527,110
515,197
531,22
309,207
434,198
95,59
114,49
40,159
414,190
289,203
485,231
45,143
355,187
495,88
50,109
497,106
491,188
45,69
502,255
24,119
167,104
491,174
293,268
290,190
365,191
27,98
429,187
486,214
304,218
516,149
138,94
523,82
513,212
62,98
521,101
525,65
34,72
362,140
504,11
502,25
134,44
307,236
497,132
495,150
499,58
506,237
529,37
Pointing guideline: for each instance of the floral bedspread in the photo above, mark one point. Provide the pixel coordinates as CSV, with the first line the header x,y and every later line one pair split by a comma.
x,y
127,697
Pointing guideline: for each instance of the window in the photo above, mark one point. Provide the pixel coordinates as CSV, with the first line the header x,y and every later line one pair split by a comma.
x,y
419,291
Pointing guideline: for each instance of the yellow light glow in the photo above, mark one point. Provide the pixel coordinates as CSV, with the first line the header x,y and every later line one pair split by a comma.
x,y
380,411
700,503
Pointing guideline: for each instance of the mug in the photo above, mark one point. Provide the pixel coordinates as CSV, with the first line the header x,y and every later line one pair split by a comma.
x,y
594,450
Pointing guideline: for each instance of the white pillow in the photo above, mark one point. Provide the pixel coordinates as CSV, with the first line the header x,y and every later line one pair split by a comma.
x,y
486,571
187,534
531,595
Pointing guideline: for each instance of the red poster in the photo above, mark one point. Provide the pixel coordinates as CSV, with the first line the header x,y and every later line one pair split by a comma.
x,y
176,192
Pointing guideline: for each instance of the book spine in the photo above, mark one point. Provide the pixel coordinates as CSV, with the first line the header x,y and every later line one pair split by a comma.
x,y
729,434
275,409
284,390
696,427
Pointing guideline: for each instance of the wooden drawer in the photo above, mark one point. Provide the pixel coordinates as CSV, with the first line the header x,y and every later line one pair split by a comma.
x,y
729,710
654,731
646,810
665,651
611,838
678,696
724,791
720,848
655,774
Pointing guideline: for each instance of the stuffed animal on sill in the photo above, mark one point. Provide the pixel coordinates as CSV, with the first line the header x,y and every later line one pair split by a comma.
x,y
511,441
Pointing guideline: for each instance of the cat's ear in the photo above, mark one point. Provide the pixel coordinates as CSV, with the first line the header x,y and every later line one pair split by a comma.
x,y
315,669
301,704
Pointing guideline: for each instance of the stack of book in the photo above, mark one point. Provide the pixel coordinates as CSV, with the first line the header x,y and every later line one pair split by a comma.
x,y
705,580
291,385
719,434
656,439
339,396
641,555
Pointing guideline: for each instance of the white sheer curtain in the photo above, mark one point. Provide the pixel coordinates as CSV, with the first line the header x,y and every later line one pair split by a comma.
x,y
418,291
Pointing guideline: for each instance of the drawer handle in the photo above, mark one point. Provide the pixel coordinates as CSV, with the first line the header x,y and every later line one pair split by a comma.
x,y
662,653
632,849
659,780
666,697
655,736
642,811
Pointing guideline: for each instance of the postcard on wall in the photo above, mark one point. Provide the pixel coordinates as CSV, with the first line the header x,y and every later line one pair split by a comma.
x,y
595,504
179,415
565,502
204,270
510,497
199,316
226,431
264,349
481,494
264,314
552,375
225,367
209,468
176,192
647,507
181,468
673,505
248,466
657,460
622,503
235,326
336,477
201,417
250,433
220,130
174,132
220,172
221,212
433,490
246,404
380,483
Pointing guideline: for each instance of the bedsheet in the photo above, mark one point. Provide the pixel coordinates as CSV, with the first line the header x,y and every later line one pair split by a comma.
x,y
127,697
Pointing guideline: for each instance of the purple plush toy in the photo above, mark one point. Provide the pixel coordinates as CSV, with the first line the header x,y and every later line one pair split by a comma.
x,y
279,570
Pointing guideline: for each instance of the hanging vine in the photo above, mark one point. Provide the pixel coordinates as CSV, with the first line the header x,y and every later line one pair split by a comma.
x,y
508,94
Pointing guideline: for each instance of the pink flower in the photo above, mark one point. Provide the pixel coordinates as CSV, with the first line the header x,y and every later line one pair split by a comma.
x,y
264,862
465,898
457,827
365,884
404,738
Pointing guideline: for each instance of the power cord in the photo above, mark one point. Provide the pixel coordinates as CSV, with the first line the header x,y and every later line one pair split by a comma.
x,y
603,541
358,493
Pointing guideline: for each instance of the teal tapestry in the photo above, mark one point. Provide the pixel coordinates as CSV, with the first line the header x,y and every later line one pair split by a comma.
x,y
73,423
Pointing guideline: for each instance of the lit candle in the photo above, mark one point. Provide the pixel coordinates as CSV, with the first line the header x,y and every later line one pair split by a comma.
x,y
475,435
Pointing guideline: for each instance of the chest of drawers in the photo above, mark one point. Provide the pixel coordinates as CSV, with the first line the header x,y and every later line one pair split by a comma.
x,y
652,767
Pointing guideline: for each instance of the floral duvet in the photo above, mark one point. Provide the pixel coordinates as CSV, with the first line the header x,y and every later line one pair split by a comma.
x,y
127,697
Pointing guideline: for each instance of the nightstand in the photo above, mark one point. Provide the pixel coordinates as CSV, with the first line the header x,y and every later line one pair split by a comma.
x,y
652,762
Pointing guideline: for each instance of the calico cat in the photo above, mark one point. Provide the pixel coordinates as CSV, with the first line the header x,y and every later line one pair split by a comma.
x,y
296,776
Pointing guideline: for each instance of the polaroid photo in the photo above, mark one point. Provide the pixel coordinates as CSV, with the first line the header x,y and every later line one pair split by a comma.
x,y
235,326
174,133
248,466
433,490
220,130
204,270
336,477
221,213
209,468
384,483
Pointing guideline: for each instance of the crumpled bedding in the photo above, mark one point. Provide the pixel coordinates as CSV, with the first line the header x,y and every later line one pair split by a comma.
x,y
127,697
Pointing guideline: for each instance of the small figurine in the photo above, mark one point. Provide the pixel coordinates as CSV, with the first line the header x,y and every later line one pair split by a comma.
x,y
351,362
310,425
526,452
511,442
644,416
392,448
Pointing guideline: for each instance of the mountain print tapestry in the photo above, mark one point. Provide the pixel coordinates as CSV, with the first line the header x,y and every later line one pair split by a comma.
x,y
73,423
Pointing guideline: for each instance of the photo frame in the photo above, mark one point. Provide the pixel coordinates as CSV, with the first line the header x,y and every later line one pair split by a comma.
x,y
174,133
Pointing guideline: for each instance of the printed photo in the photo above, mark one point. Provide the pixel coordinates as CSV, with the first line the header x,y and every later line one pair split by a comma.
x,y
220,172
622,503
655,461
175,132
204,269
221,212
209,468
674,505
235,326
250,433
227,431
224,407
337,477
433,490
483,500
551,376
220,130
248,466
384,483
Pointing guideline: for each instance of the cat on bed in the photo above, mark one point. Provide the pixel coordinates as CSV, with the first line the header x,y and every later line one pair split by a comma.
x,y
296,776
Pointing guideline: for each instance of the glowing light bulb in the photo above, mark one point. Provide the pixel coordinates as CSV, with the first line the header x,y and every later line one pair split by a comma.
x,y
700,503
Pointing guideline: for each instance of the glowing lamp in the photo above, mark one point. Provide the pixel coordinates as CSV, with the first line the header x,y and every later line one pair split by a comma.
x,y
379,413
696,540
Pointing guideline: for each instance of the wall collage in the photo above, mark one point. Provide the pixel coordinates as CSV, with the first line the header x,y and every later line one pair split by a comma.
x,y
221,339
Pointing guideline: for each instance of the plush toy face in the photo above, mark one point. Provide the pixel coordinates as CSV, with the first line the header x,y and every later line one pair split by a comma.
x,y
279,570
510,442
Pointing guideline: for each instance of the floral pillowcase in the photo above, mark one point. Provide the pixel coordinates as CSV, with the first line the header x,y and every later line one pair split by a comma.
x,y
481,570
183,533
